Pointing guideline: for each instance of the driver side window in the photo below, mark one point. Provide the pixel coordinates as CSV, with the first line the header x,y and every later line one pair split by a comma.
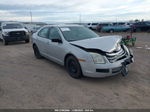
x,y
54,33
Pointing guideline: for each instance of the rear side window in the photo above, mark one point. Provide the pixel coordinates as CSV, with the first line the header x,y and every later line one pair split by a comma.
x,y
44,32
54,33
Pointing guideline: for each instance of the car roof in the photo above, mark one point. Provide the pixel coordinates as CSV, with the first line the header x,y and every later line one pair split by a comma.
x,y
10,23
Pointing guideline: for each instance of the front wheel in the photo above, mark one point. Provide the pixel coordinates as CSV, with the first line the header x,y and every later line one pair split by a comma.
x,y
5,42
73,67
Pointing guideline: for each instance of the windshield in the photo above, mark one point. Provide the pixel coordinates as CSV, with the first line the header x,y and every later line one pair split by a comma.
x,y
12,26
75,33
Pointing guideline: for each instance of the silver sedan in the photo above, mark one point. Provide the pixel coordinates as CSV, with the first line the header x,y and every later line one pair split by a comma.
x,y
81,51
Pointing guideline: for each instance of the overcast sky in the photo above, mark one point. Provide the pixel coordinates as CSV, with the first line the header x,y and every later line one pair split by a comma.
x,y
74,10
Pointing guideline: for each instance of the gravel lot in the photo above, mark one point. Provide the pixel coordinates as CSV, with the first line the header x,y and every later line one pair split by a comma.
x,y
26,82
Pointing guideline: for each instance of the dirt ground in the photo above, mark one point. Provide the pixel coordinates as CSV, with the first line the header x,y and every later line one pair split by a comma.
x,y
26,82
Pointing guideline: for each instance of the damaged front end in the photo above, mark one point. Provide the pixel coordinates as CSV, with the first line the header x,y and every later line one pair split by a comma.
x,y
118,54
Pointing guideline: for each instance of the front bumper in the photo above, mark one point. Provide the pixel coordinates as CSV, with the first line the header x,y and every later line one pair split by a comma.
x,y
105,70
11,39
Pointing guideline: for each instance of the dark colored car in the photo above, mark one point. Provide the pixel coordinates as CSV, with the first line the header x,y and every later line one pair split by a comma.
x,y
99,27
141,26
116,28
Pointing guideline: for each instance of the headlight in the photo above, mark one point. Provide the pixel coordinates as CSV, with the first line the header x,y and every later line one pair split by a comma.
x,y
27,33
97,58
5,33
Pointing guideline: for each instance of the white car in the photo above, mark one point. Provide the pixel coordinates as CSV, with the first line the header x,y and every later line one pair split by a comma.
x,y
82,51
92,26
13,31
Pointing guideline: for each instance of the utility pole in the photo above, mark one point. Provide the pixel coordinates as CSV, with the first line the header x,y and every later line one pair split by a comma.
x,y
116,20
31,16
80,18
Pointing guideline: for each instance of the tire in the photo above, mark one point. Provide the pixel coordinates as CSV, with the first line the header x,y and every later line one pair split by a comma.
x,y
5,42
73,67
36,52
91,28
27,41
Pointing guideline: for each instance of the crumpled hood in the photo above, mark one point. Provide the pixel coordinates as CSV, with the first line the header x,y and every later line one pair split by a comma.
x,y
105,43
18,29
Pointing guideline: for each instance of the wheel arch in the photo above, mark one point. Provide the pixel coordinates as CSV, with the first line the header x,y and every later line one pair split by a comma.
x,y
33,45
67,55
70,54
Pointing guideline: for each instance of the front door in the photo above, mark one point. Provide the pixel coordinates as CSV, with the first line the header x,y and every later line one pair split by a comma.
x,y
56,50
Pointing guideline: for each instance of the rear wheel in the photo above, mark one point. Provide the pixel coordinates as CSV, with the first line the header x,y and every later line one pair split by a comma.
x,y
91,28
73,67
36,52
27,41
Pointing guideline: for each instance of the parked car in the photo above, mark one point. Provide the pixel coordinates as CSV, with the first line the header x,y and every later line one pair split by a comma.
x,y
13,31
92,26
116,28
141,26
82,51
99,26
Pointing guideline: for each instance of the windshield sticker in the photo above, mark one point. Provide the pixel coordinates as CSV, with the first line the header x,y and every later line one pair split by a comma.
x,y
65,29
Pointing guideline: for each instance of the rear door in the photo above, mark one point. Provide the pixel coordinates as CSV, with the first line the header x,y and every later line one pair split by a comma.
x,y
42,40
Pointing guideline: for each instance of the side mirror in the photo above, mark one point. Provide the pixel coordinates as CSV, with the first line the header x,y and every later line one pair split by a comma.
x,y
57,40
